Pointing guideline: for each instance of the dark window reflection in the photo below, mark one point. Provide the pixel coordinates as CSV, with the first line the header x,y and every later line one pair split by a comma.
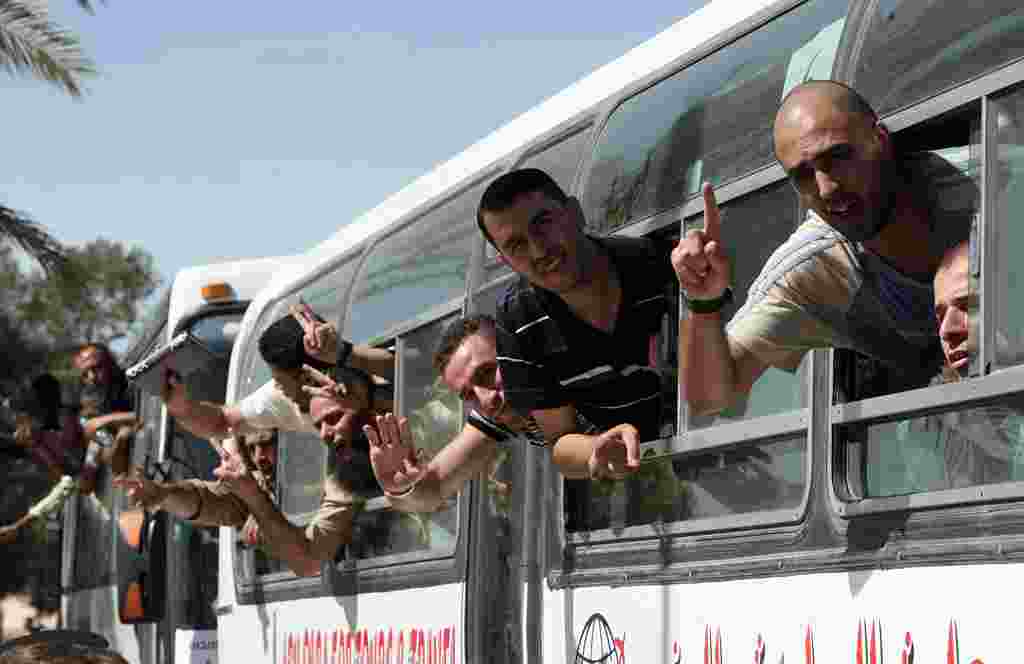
x,y
916,49
711,121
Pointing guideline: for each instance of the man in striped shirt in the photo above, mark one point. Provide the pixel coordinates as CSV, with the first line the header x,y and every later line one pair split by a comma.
x,y
467,361
577,332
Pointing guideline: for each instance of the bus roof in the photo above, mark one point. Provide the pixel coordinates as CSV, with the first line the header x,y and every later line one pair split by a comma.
x,y
715,24
246,278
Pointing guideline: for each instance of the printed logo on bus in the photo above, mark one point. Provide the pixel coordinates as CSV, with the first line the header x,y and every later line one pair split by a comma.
x,y
414,645
868,647
598,645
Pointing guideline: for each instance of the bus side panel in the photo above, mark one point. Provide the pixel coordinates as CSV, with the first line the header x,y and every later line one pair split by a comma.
x,y
424,624
863,616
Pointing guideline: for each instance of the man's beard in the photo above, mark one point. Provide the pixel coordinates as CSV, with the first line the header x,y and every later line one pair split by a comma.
x,y
883,213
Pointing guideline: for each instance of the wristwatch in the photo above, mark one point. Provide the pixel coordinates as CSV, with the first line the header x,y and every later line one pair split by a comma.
x,y
710,306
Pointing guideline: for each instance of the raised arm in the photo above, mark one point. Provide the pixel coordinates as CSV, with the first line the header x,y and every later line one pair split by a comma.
x,y
94,424
284,540
200,418
713,370
321,341
412,487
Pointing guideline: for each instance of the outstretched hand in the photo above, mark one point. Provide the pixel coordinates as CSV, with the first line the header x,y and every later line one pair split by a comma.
x,y
233,473
702,267
393,453
616,453
141,492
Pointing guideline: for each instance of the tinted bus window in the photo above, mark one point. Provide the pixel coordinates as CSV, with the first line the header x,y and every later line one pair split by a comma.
x,y
420,266
709,122
745,479
915,49
950,450
435,416
1007,125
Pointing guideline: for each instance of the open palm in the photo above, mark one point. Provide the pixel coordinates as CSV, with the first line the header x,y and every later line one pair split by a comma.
x,y
393,453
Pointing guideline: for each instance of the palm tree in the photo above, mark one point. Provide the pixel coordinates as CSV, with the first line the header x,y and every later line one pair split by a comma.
x,y
31,44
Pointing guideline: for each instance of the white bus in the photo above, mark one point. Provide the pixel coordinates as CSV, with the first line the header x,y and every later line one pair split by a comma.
x,y
818,523
146,583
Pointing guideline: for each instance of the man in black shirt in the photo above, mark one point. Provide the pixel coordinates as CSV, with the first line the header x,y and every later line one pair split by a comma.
x,y
576,332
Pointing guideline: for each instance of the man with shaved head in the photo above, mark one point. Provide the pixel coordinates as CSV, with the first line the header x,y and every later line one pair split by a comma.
x,y
856,274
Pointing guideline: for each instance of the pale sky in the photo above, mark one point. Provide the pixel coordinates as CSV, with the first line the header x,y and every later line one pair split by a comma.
x,y
221,130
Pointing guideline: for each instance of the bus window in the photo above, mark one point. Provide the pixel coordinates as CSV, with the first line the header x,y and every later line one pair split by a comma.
x,y
754,226
950,450
326,296
916,49
303,460
710,122
435,416
744,479
418,267
955,447
192,559
946,165
559,160
1007,122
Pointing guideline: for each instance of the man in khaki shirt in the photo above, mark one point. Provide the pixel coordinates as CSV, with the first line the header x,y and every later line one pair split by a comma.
x,y
243,498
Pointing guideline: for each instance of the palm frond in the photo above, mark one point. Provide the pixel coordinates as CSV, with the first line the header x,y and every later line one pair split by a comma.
x,y
22,231
32,44
89,5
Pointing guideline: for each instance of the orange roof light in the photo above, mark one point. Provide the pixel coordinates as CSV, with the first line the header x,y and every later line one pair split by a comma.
x,y
217,290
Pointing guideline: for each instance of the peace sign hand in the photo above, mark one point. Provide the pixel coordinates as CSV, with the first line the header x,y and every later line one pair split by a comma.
x,y
320,338
703,269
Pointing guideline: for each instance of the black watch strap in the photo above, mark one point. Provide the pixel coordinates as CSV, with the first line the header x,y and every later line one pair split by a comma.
x,y
710,306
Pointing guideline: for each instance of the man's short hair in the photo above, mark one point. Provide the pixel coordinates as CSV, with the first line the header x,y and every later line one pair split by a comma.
x,y
502,193
457,332
281,346
843,96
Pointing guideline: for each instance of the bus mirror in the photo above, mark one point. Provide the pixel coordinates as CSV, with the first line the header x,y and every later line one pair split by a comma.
x,y
143,569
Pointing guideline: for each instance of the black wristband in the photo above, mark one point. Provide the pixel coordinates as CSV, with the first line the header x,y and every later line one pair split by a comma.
x,y
488,427
344,352
710,306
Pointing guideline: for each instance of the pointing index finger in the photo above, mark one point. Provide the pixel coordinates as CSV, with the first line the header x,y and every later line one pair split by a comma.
x,y
712,215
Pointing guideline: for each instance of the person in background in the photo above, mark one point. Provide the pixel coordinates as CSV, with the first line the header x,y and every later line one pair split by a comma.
x,y
52,437
983,445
